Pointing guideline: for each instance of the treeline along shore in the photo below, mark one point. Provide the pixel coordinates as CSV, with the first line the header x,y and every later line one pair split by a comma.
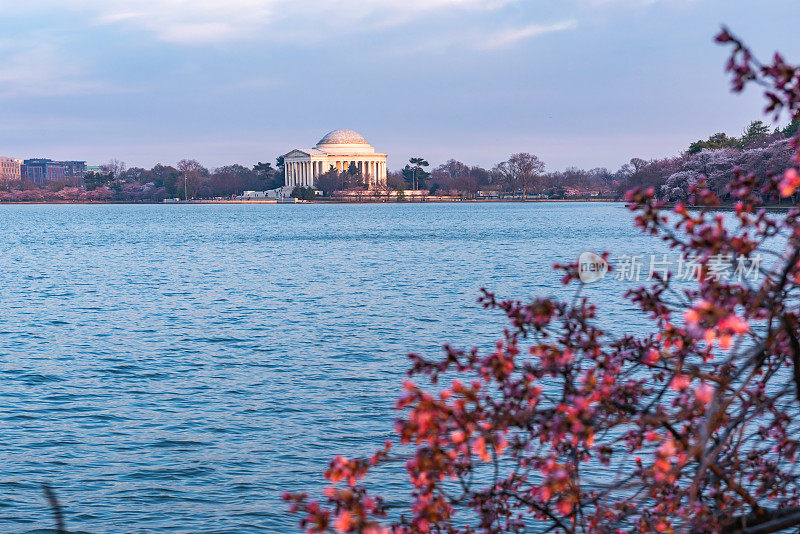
x,y
760,150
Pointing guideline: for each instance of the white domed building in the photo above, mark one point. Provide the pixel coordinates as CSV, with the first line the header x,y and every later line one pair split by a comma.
x,y
338,149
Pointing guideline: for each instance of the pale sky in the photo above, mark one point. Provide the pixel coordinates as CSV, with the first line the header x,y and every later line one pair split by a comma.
x,y
577,82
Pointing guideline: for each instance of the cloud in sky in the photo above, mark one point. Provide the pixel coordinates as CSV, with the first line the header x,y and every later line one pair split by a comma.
x,y
480,40
212,21
511,35
199,21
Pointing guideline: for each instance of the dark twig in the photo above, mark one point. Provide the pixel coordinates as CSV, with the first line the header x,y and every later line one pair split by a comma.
x,y
795,346
58,515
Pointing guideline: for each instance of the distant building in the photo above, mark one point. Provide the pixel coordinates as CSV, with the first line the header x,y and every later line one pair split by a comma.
x,y
337,150
10,170
74,171
43,171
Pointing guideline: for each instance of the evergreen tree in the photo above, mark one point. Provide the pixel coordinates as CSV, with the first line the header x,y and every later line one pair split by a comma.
x,y
754,131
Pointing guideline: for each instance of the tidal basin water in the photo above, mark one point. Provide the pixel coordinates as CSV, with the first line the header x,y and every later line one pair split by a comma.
x,y
174,368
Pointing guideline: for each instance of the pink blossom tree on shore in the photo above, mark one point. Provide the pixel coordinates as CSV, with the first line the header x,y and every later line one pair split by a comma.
x,y
694,426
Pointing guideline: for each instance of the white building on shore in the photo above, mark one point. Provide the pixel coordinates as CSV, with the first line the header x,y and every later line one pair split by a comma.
x,y
10,169
338,149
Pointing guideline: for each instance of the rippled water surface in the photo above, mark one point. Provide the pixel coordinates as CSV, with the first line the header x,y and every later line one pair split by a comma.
x,y
175,368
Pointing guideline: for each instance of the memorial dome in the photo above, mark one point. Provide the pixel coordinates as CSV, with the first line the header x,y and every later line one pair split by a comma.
x,y
342,137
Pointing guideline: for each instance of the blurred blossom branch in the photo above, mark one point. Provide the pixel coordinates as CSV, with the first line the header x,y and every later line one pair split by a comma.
x,y
567,427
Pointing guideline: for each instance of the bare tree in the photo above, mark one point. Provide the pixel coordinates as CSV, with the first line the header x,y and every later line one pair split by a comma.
x,y
454,176
115,167
193,173
521,171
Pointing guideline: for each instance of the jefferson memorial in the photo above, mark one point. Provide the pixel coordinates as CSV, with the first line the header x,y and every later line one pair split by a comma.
x,y
338,149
